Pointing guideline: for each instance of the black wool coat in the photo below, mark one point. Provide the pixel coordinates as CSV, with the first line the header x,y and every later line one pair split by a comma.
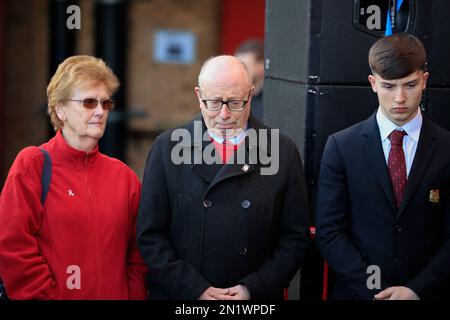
x,y
203,225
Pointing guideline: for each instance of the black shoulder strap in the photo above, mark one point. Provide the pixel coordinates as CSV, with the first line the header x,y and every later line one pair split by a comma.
x,y
45,179
46,175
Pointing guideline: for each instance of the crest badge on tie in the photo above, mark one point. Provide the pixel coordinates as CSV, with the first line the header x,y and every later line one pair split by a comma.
x,y
434,196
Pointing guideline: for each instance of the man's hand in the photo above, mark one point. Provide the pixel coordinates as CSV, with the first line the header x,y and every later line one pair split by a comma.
x,y
215,294
239,292
397,293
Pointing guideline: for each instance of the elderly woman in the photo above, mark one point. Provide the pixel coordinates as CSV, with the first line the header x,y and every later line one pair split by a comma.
x,y
79,243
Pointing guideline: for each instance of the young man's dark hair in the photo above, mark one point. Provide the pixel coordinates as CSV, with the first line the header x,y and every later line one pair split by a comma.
x,y
397,56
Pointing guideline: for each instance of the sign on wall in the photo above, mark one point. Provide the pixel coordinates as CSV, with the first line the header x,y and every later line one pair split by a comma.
x,y
172,46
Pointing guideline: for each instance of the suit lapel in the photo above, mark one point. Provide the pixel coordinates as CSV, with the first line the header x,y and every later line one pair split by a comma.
x,y
374,151
423,155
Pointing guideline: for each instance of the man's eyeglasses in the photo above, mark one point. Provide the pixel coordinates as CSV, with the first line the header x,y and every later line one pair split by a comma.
x,y
233,105
91,103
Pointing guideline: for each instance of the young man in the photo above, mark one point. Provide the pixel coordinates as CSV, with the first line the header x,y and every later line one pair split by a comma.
x,y
382,212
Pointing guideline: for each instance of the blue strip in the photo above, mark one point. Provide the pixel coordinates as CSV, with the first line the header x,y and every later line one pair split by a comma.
x,y
388,31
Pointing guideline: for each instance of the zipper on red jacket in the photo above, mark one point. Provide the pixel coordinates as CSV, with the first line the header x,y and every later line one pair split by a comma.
x,y
85,169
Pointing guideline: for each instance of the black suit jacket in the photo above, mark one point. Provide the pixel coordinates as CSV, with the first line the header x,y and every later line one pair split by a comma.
x,y
357,221
204,225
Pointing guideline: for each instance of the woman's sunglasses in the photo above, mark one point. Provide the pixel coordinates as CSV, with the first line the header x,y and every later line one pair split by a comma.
x,y
91,103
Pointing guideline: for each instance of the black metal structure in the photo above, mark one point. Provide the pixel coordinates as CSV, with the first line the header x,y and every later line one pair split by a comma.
x,y
110,34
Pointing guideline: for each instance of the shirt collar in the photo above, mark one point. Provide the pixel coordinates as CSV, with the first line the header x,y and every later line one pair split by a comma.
x,y
234,140
412,128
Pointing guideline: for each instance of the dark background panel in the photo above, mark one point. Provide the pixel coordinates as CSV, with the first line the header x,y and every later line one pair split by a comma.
x,y
316,41
343,48
436,106
433,29
287,39
285,108
338,50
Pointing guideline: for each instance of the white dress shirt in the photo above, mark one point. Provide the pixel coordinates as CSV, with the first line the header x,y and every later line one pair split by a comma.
x,y
410,140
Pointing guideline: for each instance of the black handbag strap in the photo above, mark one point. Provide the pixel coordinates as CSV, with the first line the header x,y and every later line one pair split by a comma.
x,y
46,175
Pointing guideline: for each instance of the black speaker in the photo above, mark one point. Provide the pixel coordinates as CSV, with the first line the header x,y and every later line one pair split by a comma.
x,y
436,106
327,41
316,72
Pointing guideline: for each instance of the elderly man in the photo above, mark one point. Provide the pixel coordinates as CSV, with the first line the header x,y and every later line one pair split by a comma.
x,y
222,230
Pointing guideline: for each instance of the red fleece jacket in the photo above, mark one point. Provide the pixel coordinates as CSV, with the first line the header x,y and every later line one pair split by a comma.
x,y
81,244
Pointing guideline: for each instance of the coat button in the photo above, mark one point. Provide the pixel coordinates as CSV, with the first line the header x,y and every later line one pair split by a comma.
x,y
207,203
242,251
399,228
398,262
245,204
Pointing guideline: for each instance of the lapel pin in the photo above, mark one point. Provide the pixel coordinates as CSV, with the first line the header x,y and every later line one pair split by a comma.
x,y
434,196
245,168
